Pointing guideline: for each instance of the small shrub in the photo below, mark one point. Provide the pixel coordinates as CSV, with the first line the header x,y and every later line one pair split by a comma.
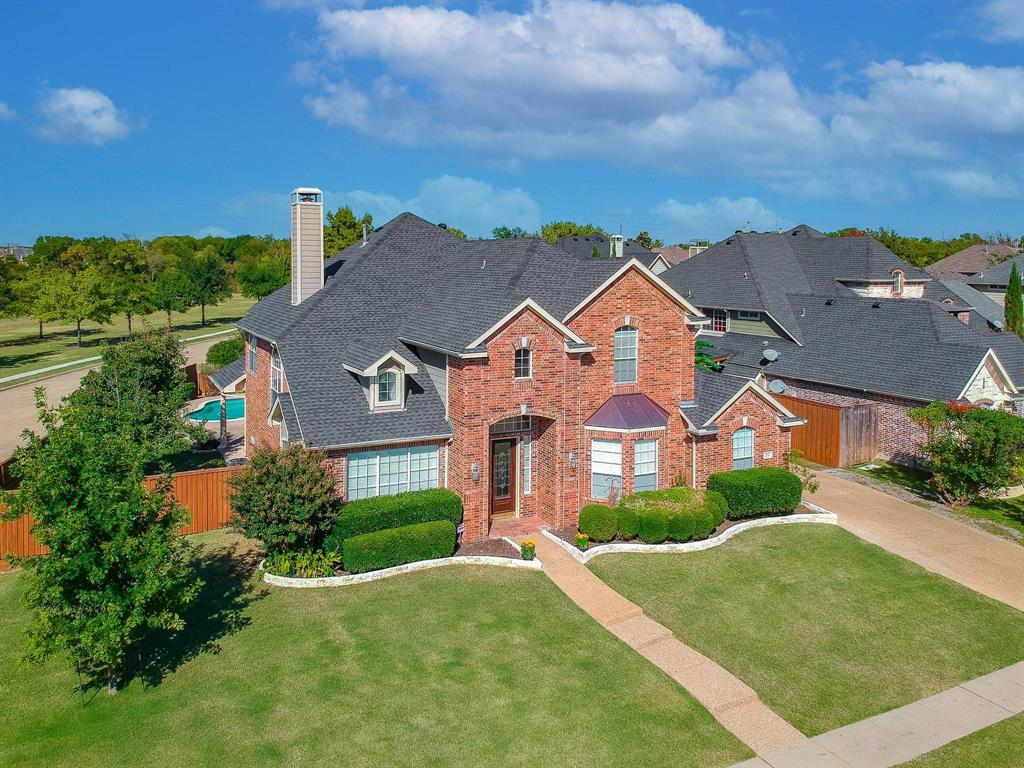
x,y
703,523
654,525
224,353
310,564
717,505
753,492
599,521
528,549
382,512
681,524
628,520
397,546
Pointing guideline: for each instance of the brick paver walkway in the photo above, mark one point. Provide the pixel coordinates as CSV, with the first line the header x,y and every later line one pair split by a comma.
x,y
902,734
978,560
732,702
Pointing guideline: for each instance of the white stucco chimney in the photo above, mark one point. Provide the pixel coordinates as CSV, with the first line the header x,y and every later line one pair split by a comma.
x,y
307,243
617,244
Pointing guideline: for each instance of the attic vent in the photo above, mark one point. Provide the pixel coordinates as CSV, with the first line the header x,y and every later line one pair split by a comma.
x,y
829,302
728,242
795,234
876,305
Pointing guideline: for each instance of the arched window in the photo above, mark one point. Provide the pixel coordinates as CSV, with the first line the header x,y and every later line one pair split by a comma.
x,y
387,388
624,354
524,363
897,281
743,448
276,372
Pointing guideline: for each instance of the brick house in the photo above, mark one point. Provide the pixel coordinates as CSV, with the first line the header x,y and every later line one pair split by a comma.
x,y
844,321
528,379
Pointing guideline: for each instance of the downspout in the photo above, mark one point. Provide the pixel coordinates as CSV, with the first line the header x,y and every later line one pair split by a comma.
x,y
693,460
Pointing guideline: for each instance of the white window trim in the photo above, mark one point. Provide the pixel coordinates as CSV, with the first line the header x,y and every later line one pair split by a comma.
x,y
657,449
529,363
252,353
753,447
399,389
746,314
276,369
408,472
593,443
527,464
636,353
715,313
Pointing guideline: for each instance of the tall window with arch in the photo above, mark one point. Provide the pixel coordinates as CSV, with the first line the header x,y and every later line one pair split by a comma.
x,y
387,388
523,363
276,372
625,353
743,448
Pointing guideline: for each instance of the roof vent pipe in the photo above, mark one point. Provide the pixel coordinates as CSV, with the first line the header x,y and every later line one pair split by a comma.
x,y
364,234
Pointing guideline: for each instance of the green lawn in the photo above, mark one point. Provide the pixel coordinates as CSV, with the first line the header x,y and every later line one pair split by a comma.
x,y
22,350
998,746
1003,513
827,628
451,667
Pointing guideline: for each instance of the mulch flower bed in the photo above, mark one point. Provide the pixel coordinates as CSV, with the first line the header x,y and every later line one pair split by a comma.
x,y
489,548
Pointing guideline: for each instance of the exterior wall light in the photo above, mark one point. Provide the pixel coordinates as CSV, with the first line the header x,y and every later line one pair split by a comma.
x,y
572,459
475,472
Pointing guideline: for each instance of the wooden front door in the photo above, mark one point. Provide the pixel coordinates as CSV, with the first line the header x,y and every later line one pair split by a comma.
x,y
503,477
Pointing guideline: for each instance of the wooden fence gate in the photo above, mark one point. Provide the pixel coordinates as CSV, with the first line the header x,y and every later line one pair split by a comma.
x,y
835,435
204,492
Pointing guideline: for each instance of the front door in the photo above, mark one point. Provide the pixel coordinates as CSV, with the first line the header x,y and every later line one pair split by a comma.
x,y
503,478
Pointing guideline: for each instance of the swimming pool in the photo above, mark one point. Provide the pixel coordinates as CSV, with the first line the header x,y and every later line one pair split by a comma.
x,y
211,410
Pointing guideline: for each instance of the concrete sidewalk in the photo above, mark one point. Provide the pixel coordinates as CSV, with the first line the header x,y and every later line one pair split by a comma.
x,y
978,560
731,701
905,733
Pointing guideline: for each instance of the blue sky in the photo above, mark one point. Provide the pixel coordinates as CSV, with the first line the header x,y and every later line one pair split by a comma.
x,y
686,120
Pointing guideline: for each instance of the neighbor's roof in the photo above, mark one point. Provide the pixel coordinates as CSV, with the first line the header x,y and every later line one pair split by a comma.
x,y
229,374
971,260
981,304
999,274
755,271
905,347
412,284
634,412
584,247
674,254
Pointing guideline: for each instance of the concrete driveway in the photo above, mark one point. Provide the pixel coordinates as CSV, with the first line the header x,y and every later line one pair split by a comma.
x,y
17,404
978,560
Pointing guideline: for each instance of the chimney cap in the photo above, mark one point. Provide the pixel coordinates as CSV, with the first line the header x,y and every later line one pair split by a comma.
x,y
307,191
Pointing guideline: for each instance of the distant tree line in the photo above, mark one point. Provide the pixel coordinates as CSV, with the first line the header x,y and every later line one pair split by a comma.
x,y
553,230
922,251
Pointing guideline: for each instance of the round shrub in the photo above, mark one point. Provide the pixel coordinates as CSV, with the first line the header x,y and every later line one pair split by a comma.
x,y
759,491
716,503
628,520
599,521
653,525
704,523
225,352
681,524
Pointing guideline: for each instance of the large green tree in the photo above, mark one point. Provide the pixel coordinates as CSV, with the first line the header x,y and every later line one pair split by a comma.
x,y
74,297
261,275
206,279
11,274
556,229
139,391
169,292
343,228
129,281
116,568
1014,309
648,242
510,233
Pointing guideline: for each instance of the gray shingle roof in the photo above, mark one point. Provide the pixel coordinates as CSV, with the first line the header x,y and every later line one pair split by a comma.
x,y
584,247
713,390
906,347
415,282
981,304
755,271
999,274
971,260
230,373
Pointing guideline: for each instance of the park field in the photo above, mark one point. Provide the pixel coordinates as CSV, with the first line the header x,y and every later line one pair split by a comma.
x,y
22,351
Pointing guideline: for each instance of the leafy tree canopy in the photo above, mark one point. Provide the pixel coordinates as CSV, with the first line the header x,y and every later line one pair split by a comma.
x,y
510,233
1014,304
343,229
919,251
455,231
225,352
645,239
556,229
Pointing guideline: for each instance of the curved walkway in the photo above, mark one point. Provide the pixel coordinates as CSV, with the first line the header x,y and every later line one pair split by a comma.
x,y
978,560
731,701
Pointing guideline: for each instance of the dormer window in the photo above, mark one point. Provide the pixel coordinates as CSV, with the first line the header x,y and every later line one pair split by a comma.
x,y
898,279
388,389
524,363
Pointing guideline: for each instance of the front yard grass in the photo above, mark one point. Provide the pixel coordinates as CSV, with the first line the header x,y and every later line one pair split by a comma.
x,y
458,666
827,628
998,746
1006,513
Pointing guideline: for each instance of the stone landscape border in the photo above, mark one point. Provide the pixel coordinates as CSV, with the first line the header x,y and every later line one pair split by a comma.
x,y
820,516
422,565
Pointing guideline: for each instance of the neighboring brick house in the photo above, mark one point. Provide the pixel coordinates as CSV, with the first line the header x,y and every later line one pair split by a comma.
x,y
844,321
529,380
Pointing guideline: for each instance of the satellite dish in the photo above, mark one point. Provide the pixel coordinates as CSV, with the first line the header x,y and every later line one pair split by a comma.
x,y
778,386
770,355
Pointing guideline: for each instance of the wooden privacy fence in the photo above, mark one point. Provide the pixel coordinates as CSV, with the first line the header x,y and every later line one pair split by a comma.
x,y
835,435
204,492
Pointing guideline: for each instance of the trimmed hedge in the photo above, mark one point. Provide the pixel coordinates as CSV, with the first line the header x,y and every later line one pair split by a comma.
x,y
599,521
397,546
381,512
676,514
759,491
681,526
653,527
629,521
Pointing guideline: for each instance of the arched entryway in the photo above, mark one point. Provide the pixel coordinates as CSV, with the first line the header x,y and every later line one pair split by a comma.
x,y
517,447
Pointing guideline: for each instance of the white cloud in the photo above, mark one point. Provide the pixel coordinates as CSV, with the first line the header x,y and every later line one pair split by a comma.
x,y
655,85
715,218
6,113
1003,20
81,116
470,204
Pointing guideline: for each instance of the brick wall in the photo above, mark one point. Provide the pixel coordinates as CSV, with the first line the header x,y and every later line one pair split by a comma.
x,y
257,401
899,437
336,463
714,452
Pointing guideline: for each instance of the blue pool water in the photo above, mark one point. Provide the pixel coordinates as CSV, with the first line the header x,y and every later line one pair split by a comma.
x,y
211,411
